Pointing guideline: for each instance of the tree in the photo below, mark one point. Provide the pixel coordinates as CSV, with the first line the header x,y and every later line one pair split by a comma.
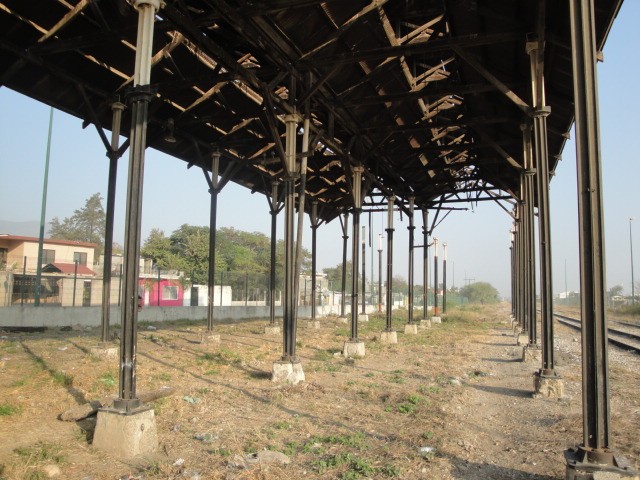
x,y
85,225
334,276
187,249
480,292
158,248
615,291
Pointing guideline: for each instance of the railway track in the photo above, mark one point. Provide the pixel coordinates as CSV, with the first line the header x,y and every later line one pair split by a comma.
x,y
625,339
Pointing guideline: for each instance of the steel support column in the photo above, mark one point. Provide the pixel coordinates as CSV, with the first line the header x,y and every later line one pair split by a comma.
x,y
364,266
380,273
314,228
595,449
435,276
540,113
529,221
113,156
357,203
345,237
213,213
411,229
289,304
444,277
425,262
389,262
274,208
139,99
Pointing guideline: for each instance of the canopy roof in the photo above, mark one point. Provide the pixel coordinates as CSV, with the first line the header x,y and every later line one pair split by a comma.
x,y
428,95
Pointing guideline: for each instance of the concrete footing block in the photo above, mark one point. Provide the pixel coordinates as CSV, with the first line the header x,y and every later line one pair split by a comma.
x,y
436,320
210,338
126,435
548,386
105,352
389,337
532,354
608,466
522,338
363,317
272,330
353,349
284,371
313,325
425,323
411,329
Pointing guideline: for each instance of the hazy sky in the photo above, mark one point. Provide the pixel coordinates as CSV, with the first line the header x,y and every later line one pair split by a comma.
x,y
478,239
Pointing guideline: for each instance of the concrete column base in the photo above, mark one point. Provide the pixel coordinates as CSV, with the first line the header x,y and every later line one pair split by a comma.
x,y
425,323
389,337
363,317
313,324
522,338
436,320
516,328
343,319
353,349
532,353
411,329
105,351
210,338
611,467
272,330
126,435
284,371
549,386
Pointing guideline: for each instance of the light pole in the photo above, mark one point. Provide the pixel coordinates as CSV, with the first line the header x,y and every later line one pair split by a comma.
x,y
633,294
435,276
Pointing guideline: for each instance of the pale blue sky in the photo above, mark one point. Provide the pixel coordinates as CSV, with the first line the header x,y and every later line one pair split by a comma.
x,y
478,240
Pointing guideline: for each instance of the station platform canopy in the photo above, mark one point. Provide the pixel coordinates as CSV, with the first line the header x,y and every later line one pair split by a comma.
x,y
427,95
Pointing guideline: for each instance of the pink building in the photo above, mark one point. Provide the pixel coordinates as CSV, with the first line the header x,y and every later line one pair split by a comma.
x,y
171,292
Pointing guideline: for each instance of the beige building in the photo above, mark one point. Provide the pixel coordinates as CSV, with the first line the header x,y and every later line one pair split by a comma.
x,y
18,266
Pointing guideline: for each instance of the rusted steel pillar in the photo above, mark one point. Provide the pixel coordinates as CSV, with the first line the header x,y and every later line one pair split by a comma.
x,y
289,304
411,229
274,208
435,276
529,228
540,113
139,99
444,277
345,237
113,156
357,204
390,230
425,262
595,451
364,270
314,229
213,213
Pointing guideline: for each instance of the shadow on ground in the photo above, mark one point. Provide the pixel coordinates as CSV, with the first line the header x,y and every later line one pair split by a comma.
x,y
466,470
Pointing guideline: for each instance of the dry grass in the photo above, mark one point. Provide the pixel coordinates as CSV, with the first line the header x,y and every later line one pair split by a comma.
x,y
350,419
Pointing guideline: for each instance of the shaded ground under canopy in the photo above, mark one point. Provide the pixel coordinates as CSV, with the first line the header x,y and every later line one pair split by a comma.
x,y
458,387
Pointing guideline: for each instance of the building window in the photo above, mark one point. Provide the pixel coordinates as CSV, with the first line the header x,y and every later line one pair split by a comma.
x,y
80,257
4,252
169,292
48,256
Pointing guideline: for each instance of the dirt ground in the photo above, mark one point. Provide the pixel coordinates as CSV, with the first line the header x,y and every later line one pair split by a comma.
x,y
459,388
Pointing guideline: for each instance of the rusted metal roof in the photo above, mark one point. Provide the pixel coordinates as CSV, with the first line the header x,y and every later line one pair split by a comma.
x,y
428,95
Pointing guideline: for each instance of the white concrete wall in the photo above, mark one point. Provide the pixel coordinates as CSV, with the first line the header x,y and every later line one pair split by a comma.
x,y
30,316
